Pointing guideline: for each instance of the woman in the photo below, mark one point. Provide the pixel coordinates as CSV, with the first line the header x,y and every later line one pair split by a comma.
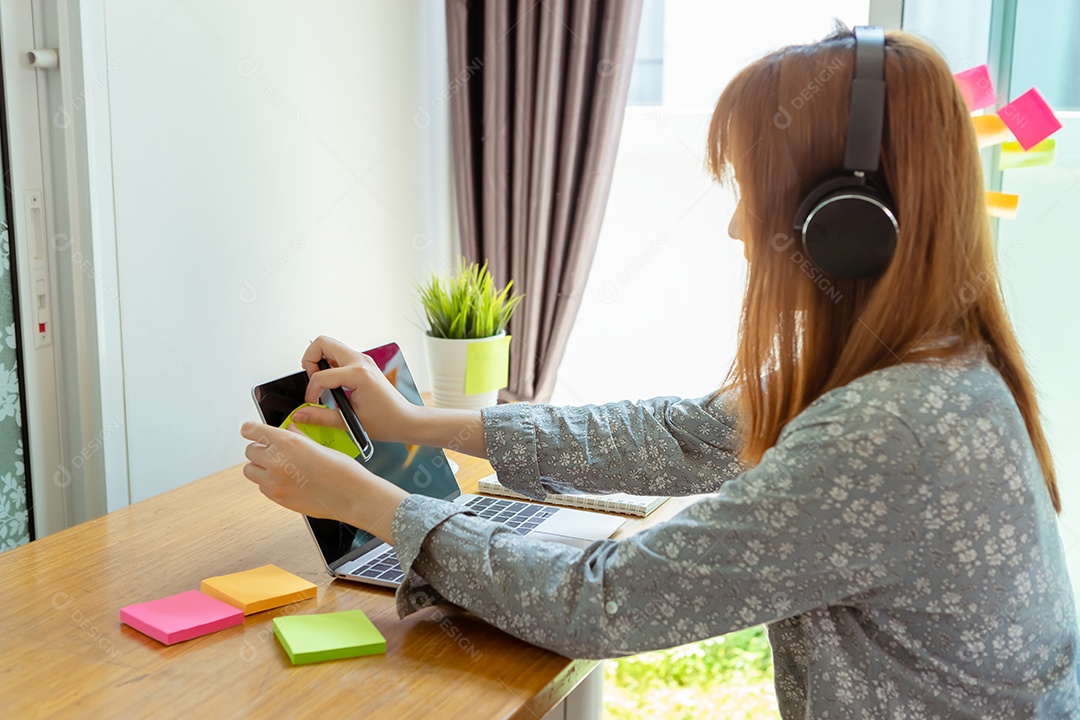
x,y
881,490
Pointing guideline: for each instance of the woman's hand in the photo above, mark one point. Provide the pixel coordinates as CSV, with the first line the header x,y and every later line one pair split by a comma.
x,y
383,411
298,473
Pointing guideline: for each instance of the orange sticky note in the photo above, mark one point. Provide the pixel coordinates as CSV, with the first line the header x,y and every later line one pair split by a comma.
x,y
1002,205
260,589
990,130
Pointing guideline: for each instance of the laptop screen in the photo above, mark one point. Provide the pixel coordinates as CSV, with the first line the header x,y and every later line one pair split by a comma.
x,y
414,468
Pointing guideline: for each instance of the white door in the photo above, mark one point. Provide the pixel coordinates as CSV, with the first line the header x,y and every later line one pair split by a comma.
x,y
33,496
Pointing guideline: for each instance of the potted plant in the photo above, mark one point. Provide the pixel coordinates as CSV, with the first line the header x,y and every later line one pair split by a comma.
x,y
468,350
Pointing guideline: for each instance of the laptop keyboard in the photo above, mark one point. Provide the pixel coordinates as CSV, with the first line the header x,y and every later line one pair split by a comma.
x,y
518,516
383,566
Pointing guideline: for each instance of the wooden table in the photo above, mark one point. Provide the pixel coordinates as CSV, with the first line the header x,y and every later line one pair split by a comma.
x,y
66,654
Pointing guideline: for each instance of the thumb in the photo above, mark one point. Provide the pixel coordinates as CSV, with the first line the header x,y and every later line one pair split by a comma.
x,y
328,417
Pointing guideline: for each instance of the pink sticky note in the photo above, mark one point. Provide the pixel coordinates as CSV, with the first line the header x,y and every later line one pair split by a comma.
x,y
1030,119
976,87
181,617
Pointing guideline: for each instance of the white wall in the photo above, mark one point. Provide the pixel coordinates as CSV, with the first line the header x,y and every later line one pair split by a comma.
x,y
271,184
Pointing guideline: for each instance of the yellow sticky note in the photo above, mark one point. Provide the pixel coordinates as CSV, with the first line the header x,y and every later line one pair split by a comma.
x,y
1014,156
487,366
1002,205
260,589
990,130
333,438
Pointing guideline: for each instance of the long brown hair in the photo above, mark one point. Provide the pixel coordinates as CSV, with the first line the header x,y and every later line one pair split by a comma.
x,y
779,129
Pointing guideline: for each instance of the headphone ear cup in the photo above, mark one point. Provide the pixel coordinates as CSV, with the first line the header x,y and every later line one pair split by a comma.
x,y
848,232
811,201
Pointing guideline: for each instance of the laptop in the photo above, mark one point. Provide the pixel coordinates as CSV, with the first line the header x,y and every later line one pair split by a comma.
x,y
352,554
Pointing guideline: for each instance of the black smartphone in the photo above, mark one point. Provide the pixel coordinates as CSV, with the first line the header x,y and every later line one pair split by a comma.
x,y
352,423
278,398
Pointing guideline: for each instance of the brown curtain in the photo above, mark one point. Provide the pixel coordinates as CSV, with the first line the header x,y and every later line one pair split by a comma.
x,y
538,90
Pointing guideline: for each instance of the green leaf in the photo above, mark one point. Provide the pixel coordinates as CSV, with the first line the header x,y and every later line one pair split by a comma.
x,y
467,304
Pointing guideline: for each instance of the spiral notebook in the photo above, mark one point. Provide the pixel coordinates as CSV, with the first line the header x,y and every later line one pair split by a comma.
x,y
620,503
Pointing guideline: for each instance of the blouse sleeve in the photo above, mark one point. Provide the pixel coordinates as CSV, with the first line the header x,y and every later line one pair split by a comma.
x,y
663,446
826,514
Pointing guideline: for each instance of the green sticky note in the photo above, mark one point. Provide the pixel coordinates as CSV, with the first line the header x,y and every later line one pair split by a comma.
x,y
328,636
1014,156
333,438
487,366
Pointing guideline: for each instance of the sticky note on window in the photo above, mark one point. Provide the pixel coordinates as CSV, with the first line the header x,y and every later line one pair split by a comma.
x,y
990,130
1030,119
181,617
976,87
260,589
328,636
331,437
487,365
1002,205
1013,156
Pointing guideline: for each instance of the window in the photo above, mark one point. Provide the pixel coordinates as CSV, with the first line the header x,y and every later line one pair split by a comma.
x,y
662,303
1038,252
1046,51
647,79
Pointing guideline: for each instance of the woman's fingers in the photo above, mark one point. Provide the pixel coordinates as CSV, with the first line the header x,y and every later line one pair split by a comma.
x,y
275,455
329,417
258,432
327,379
256,454
336,353
255,474
266,442
373,398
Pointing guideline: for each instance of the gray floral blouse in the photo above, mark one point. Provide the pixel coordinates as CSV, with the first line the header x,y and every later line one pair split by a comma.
x,y
898,540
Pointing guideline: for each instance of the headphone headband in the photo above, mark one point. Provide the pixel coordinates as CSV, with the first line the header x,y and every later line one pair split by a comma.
x,y
866,119
848,226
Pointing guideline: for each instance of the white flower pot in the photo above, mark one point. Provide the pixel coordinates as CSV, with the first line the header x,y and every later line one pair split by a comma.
x,y
447,361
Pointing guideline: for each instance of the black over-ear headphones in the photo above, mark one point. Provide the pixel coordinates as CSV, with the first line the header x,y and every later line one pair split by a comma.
x,y
848,226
